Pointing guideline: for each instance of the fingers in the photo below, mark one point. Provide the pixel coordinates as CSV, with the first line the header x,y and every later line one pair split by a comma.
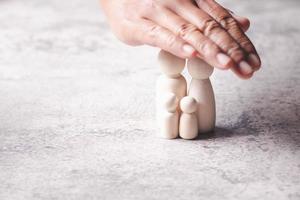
x,y
225,19
148,32
206,48
212,30
243,22
237,71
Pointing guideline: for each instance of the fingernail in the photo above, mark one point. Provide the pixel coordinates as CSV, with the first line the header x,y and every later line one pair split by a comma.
x,y
188,49
223,59
254,60
245,68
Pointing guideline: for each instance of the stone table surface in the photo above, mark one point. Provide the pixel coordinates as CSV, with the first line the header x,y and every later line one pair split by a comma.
x,y
77,112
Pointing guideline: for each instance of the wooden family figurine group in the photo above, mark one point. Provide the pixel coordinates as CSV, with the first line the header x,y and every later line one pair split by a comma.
x,y
181,110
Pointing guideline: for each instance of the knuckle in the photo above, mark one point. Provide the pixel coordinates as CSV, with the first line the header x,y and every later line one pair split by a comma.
x,y
205,47
150,7
170,40
153,33
210,26
154,29
247,45
154,4
146,8
185,30
233,48
228,22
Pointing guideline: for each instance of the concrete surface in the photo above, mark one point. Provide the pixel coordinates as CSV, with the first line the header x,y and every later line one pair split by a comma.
x,y
77,112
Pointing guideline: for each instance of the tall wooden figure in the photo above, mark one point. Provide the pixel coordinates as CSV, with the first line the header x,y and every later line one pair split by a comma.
x,y
171,81
201,89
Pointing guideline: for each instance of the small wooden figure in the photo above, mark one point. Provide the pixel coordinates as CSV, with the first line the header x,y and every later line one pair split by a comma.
x,y
188,124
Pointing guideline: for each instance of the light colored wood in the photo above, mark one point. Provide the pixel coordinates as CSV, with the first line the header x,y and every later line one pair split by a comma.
x,y
169,125
168,116
188,104
171,81
201,89
169,102
199,69
188,124
170,65
203,92
170,88
188,127
178,86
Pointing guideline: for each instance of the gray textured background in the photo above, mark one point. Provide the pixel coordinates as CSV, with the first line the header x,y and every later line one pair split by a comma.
x,y
77,112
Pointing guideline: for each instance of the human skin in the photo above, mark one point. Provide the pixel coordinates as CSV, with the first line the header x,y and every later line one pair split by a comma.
x,y
186,28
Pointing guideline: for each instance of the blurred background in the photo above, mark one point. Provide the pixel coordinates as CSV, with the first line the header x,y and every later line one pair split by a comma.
x,y
77,111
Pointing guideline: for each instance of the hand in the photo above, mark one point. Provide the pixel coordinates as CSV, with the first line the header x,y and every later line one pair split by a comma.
x,y
186,28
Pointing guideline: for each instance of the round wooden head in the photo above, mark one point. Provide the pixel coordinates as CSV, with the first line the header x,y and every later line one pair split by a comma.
x,y
188,105
170,65
199,69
